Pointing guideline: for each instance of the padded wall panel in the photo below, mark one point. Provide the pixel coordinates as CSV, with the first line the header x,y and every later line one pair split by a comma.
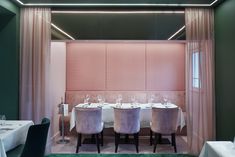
x,y
85,66
165,66
125,66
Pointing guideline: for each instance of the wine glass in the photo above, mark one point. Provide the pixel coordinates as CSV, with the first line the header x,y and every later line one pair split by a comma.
x,y
86,100
151,99
119,100
133,99
99,97
165,100
2,119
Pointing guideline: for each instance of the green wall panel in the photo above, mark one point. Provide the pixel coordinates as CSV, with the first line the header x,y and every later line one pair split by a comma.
x,y
225,70
9,64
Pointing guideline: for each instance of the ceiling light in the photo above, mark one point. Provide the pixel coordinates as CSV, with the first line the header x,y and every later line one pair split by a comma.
x,y
59,29
20,2
116,4
118,12
213,2
176,32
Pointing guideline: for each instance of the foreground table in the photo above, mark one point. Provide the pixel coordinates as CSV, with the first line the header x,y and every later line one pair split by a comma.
x,y
108,114
12,134
218,149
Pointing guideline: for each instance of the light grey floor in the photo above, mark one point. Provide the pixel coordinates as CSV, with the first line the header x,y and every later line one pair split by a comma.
x,y
109,147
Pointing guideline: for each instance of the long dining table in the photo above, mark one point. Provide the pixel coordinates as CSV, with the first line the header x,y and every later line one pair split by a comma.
x,y
145,113
12,134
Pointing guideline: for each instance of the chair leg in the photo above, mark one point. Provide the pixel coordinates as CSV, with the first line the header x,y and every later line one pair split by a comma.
x,y
97,142
117,137
151,137
102,138
155,142
78,142
136,137
173,142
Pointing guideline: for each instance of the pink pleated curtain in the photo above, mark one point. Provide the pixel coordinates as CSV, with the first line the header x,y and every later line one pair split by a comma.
x,y
200,105
35,39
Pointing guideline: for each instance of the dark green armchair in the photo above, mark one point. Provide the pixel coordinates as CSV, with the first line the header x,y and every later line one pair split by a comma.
x,y
35,142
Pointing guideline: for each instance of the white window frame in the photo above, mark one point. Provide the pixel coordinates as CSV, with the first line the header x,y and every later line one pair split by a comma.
x,y
195,70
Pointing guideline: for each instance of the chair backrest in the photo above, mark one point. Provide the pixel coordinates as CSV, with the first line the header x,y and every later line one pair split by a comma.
x,y
164,120
127,120
36,139
89,120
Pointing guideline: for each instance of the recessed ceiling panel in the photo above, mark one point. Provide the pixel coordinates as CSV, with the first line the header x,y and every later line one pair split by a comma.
x,y
125,26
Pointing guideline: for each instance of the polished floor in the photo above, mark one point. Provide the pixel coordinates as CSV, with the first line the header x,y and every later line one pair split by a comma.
x,y
108,148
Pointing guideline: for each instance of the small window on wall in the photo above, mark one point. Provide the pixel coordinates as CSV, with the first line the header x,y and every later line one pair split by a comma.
x,y
196,81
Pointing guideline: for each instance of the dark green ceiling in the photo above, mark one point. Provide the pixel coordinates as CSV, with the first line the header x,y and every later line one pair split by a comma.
x,y
119,26
116,2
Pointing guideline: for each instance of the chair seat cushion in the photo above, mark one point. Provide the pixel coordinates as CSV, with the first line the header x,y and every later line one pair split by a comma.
x,y
16,152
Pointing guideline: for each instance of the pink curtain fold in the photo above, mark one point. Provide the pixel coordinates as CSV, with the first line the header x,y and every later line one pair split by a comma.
x,y
35,38
200,105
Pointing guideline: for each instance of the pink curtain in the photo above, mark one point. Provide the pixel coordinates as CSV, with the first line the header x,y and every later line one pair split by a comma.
x,y
35,38
200,77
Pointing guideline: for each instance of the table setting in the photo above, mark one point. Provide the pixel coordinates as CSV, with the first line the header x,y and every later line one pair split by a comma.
x,y
107,110
12,134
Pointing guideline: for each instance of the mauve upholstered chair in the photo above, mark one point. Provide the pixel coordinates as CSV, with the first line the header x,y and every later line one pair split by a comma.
x,y
127,121
89,121
164,122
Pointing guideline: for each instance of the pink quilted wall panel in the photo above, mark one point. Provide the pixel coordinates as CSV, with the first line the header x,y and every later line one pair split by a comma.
x,y
165,66
85,66
125,66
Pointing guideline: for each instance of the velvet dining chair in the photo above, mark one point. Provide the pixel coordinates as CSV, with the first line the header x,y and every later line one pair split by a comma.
x,y
89,121
163,122
35,142
127,121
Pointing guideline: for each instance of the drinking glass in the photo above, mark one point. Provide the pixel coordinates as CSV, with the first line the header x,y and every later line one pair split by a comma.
x,y
2,119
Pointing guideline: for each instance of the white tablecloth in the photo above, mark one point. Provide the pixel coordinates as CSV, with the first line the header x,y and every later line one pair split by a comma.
x,y
12,134
218,149
108,115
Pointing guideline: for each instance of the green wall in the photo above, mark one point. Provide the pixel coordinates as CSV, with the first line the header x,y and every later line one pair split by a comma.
x,y
225,70
9,64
